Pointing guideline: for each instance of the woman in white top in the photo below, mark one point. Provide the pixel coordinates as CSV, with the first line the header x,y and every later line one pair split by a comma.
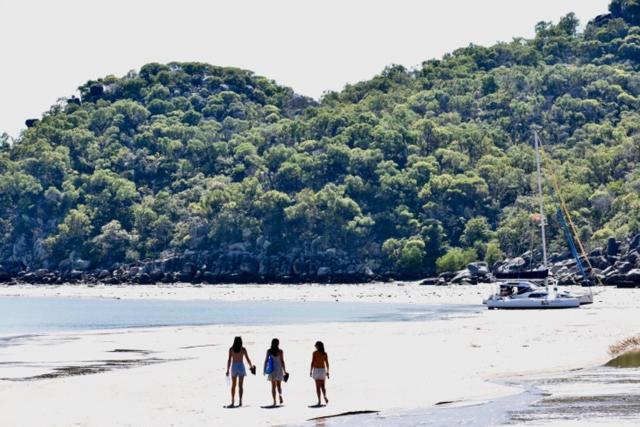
x,y
277,372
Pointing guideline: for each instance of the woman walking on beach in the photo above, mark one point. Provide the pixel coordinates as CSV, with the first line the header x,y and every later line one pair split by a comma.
x,y
235,362
319,370
275,369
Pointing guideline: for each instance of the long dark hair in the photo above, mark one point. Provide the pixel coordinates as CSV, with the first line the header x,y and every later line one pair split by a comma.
x,y
274,350
320,347
237,345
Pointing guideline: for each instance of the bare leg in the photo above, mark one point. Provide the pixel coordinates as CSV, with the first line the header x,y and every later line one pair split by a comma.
x,y
273,392
240,389
318,391
324,392
233,390
280,391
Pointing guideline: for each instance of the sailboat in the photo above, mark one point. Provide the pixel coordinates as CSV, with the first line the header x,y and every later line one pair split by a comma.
x,y
523,294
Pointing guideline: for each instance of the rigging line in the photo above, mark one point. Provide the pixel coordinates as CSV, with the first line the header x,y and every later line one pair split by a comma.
x,y
563,205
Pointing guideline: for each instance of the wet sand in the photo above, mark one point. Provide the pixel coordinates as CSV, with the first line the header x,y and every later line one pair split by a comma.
x,y
175,375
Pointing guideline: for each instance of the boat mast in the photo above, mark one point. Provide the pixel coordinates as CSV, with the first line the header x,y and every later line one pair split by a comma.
x,y
541,198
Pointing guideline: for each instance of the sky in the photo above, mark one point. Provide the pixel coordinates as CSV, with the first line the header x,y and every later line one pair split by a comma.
x,y
50,47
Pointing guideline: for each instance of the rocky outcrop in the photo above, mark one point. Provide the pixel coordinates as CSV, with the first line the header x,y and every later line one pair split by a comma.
x,y
476,272
617,263
234,264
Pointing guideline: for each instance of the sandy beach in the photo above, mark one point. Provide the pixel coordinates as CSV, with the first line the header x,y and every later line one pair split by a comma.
x,y
175,375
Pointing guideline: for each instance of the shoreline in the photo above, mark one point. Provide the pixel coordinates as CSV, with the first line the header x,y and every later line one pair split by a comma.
x,y
393,367
378,292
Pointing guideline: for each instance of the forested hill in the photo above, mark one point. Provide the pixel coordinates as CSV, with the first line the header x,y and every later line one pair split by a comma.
x,y
217,172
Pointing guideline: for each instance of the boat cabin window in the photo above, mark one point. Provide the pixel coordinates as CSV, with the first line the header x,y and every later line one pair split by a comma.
x,y
537,295
506,291
524,289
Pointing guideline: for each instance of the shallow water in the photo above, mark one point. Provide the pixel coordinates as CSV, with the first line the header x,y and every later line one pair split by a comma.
x,y
33,315
604,396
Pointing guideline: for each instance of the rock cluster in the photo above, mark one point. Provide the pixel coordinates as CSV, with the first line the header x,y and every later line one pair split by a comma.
x,y
617,263
476,272
233,265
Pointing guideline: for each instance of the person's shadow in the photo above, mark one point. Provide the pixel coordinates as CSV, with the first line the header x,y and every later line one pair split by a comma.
x,y
271,407
317,405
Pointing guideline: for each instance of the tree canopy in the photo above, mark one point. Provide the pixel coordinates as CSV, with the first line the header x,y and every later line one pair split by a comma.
x,y
395,171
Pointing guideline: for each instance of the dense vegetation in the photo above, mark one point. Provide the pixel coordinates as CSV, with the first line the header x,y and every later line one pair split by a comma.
x,y
395,172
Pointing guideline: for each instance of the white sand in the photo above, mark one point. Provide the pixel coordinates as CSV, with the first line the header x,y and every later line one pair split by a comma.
x,y
379,366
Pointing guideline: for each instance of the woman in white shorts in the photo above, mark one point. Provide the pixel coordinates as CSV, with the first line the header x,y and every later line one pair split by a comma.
x,y
275,369
235,364
320,371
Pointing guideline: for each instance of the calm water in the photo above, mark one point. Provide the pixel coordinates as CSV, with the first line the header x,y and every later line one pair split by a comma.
x,y
26,315
603,396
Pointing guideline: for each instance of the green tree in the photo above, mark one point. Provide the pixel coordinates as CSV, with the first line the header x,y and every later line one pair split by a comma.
x,y
493,253
455,259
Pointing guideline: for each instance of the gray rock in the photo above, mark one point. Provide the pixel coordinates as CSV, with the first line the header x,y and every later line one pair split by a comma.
x,y
80,264
633,275
156,274
612,246
237,247
5,277
143,279
323,272
623,267
75,275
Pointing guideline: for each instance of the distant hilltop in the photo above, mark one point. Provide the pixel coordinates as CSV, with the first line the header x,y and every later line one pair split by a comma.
x,y
407,174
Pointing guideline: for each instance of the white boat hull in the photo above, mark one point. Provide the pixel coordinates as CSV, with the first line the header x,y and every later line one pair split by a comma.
x,y
584,299
531,303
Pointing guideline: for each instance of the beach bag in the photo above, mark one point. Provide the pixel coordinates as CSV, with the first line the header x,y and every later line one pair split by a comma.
x,y
269,368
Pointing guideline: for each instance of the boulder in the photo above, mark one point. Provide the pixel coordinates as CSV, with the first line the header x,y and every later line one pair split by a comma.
x,y
462,276
623,267
633,276
598,262
478,268
323,272
612,246
29,123
156,275
614,279
80,264
595,253
249,265
74,275
5,277
237,247
168,278
96,90
209,277
513,264
143,279
601,20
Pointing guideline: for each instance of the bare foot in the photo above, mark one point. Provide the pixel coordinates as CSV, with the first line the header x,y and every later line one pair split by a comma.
x,y
326,400
240,404
281,400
